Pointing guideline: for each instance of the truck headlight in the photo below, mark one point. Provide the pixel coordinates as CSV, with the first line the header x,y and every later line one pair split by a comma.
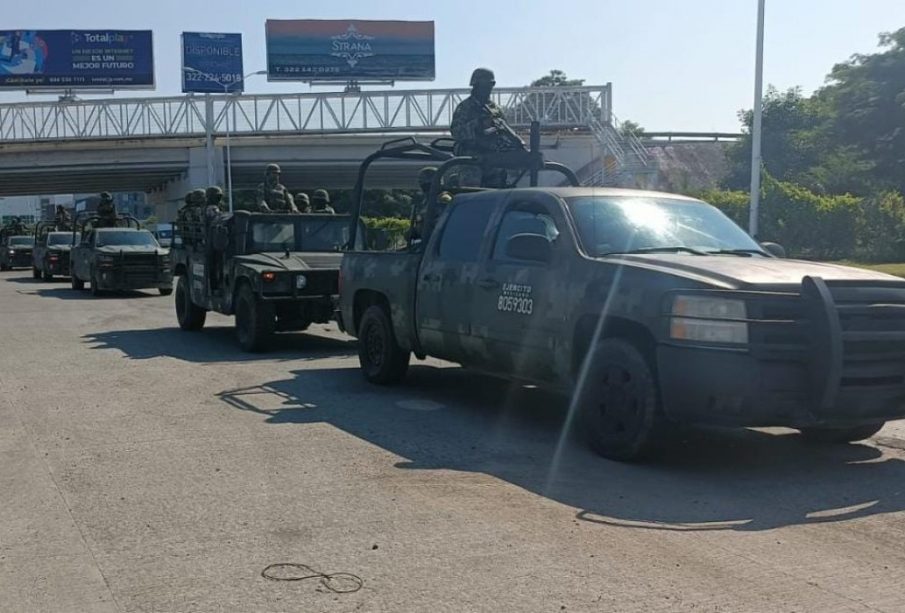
x,y
707,319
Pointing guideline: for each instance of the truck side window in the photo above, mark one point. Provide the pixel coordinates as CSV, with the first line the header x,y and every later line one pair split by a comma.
x,y
518,221
464,230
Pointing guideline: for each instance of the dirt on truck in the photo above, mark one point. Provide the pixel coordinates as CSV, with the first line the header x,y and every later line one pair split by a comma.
x,y
649,309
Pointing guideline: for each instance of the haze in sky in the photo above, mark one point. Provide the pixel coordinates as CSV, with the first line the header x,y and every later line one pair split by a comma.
x,y
674,65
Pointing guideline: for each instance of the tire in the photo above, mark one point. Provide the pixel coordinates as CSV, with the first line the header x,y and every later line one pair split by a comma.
x,y
35,273
4,267
165,291
77,283
254,320
619,404
851,434
191,317
46,276
382,360
95,286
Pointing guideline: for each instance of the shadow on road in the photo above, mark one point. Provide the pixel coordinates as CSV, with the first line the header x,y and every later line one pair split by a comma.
x,y
450,419
27,280
216,344
67,293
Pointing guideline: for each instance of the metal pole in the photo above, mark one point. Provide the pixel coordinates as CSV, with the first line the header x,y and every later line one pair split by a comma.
x,y
209,136
229,160
756,128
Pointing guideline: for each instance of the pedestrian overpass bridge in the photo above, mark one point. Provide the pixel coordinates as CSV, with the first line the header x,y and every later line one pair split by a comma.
x,y
167,145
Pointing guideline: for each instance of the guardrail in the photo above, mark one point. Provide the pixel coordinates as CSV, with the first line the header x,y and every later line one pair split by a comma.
x,y
316,113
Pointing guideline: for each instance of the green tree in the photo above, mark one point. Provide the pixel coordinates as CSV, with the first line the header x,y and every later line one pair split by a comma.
x,y
557,78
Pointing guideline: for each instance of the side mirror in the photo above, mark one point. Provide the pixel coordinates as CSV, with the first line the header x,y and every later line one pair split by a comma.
x,y
530,247
774,249
220,239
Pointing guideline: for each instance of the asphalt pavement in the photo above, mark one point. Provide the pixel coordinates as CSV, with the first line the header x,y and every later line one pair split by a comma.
x,y
143,468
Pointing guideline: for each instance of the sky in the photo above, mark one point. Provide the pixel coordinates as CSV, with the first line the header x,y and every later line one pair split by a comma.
x,y
674,65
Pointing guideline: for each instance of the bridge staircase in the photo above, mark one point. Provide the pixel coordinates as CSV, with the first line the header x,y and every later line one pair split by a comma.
x,y
624,160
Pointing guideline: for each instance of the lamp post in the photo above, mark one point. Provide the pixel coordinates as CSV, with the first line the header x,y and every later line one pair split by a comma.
x,y
227,87
756,127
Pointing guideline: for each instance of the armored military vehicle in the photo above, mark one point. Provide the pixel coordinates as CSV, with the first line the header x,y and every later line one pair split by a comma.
x,y
273,271
121,256
50,257
647,308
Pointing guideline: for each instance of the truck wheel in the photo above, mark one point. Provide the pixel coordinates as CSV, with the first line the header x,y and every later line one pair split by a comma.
x,y
95,285
191,317
4,267
618,405
47,276
165,291
35,273
842,435
382,360
254,321
77,283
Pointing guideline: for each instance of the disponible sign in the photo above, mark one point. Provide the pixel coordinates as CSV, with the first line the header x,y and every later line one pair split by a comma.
x,y
211,63
313,49
76,59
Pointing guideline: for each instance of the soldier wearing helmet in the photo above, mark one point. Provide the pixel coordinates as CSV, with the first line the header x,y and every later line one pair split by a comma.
x,y
302,203
272,195
479,126
213,199
320,202
106,211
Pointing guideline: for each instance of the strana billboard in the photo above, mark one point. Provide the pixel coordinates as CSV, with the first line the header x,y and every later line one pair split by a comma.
x,y
76,59
347,50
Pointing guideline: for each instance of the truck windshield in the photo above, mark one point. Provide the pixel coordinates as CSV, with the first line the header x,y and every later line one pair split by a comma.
x,y
59,238
21,241
323,233
625,224
141,238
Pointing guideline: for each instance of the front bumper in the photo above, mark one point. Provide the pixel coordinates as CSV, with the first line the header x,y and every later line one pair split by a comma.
x,y
833,355
20,259
58,267
129,278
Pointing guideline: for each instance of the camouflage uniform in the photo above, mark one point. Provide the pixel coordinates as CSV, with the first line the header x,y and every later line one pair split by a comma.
x,y
479,128
425,180
214,203
320,202
61,218
272,196
194,202
106,211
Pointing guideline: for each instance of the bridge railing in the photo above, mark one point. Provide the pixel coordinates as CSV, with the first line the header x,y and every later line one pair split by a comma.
x,y
315,113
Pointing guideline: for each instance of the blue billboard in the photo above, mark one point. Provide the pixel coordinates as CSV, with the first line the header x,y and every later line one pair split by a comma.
x,y
76,59
211,63
340,50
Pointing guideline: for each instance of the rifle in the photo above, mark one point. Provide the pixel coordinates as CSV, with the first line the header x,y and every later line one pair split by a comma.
x,y
501,127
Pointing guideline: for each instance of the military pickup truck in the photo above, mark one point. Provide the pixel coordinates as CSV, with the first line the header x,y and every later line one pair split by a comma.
x,y
274,272
15,251
647,308
50,257
122,257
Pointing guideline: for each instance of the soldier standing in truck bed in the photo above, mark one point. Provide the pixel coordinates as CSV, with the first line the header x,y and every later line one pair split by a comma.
x,y
272,195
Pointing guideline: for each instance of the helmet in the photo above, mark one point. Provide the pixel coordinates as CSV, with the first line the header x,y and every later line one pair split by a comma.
x,y
213,193
198,196
273,168
482,74
302,197
106,197
321,195
426,175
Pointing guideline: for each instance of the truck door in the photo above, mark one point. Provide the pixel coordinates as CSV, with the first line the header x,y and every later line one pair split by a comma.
x,y
448,271
79,257
518,317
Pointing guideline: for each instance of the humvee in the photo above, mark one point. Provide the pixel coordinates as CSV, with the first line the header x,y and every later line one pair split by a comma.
x,y
121,257
646,308
272,271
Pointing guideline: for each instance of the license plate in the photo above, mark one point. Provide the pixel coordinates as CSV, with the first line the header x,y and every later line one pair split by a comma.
x,y
301,283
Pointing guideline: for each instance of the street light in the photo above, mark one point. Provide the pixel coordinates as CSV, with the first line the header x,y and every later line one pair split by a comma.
x,y
210,127
757,125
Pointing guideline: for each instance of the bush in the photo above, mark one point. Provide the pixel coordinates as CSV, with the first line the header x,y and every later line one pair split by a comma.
x,y
386,233
881,228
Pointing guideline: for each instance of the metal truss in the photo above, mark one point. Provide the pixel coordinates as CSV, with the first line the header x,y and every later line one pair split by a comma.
x,y
306,113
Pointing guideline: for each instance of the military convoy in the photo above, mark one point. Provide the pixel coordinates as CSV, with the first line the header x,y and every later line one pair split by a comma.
x,y
52,245
647,308
115,255
15,251
273,271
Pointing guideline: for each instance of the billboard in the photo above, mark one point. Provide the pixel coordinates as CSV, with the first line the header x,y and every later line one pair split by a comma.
x,y
76,59
345,50
211,63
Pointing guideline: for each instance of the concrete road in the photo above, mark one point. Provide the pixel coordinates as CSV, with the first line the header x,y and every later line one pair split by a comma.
x,y
147,469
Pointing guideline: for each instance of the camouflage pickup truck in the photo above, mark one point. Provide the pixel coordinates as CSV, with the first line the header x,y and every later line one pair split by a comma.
x,y
15,251
50,257
647,308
